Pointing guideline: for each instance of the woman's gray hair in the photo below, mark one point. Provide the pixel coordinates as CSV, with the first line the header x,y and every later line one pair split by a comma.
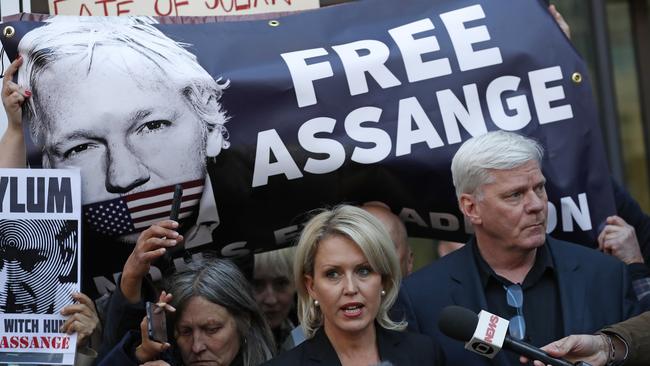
x,y
220,281
368,233
470,167
80,37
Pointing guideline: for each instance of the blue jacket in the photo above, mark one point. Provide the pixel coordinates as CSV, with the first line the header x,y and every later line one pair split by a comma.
x,y
594,289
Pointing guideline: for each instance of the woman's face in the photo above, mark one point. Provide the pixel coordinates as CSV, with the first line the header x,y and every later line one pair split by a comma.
x,y
345,285
274,295
206,334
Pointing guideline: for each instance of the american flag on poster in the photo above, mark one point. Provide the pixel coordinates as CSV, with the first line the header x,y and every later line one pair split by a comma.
x,y
136,212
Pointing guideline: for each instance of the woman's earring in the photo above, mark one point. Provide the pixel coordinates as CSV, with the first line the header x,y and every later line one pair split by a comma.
x,y
383,293
316,303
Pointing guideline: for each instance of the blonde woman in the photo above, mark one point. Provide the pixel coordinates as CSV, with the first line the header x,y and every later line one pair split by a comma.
x,y
347,276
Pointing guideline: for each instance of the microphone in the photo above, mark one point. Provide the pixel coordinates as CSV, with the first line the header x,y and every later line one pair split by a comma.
x,y
486,334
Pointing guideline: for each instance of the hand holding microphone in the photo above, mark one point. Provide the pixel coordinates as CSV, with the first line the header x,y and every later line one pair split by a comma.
x,y
591,348
486,334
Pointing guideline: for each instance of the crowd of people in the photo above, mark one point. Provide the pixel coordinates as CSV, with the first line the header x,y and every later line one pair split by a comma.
x,y
345,293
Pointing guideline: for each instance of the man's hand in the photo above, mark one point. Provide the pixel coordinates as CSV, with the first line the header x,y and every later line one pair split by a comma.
x,y
619,239
151,245
82,318
593,349
560,20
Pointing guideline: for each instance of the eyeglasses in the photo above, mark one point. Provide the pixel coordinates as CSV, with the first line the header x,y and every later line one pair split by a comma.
x,y
515,298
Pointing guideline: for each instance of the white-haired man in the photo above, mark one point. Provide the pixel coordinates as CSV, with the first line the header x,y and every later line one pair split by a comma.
x,y
131,108
547,288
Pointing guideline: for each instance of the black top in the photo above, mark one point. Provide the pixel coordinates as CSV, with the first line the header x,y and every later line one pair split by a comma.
x,y
399,348
542,309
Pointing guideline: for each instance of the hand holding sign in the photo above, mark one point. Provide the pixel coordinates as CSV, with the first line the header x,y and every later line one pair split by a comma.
x,y
618,238
13,95
12,145
82,318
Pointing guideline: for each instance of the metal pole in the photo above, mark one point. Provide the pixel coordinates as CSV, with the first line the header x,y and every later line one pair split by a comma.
x,y
607,93
639,14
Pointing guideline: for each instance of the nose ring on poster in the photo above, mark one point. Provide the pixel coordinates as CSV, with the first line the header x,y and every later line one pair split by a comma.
x,y
274,23
576,77
8,31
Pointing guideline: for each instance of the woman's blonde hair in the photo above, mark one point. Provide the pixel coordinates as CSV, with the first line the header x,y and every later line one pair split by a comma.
x,y
373,240
276,263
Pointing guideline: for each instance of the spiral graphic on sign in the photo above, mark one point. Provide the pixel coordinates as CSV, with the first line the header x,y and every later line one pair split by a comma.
x,y
37,258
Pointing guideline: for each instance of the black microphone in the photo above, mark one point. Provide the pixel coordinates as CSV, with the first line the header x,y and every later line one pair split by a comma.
x,y
485,334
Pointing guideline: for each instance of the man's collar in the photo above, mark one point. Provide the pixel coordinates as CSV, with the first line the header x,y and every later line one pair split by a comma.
x,y
543,261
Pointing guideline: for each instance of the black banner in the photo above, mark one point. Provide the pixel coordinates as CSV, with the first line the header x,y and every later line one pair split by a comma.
x,y
366,101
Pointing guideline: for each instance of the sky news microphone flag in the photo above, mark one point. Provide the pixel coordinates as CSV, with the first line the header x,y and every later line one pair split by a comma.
x,y
351,103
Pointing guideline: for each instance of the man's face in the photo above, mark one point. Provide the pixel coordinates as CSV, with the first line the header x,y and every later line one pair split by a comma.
x,y
397,234
125,129
511,210
31,262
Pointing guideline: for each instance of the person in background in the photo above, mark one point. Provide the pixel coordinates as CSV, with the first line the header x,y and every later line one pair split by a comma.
x,y
397,231
347,276
446,247
275,292
126,304
626,236
214,320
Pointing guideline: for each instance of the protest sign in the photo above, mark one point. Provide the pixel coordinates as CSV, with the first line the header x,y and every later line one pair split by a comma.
x,y
366,101
40,214
177,7
30,339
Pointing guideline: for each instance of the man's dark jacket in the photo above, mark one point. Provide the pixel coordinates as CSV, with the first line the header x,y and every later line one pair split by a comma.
x,y
594,290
